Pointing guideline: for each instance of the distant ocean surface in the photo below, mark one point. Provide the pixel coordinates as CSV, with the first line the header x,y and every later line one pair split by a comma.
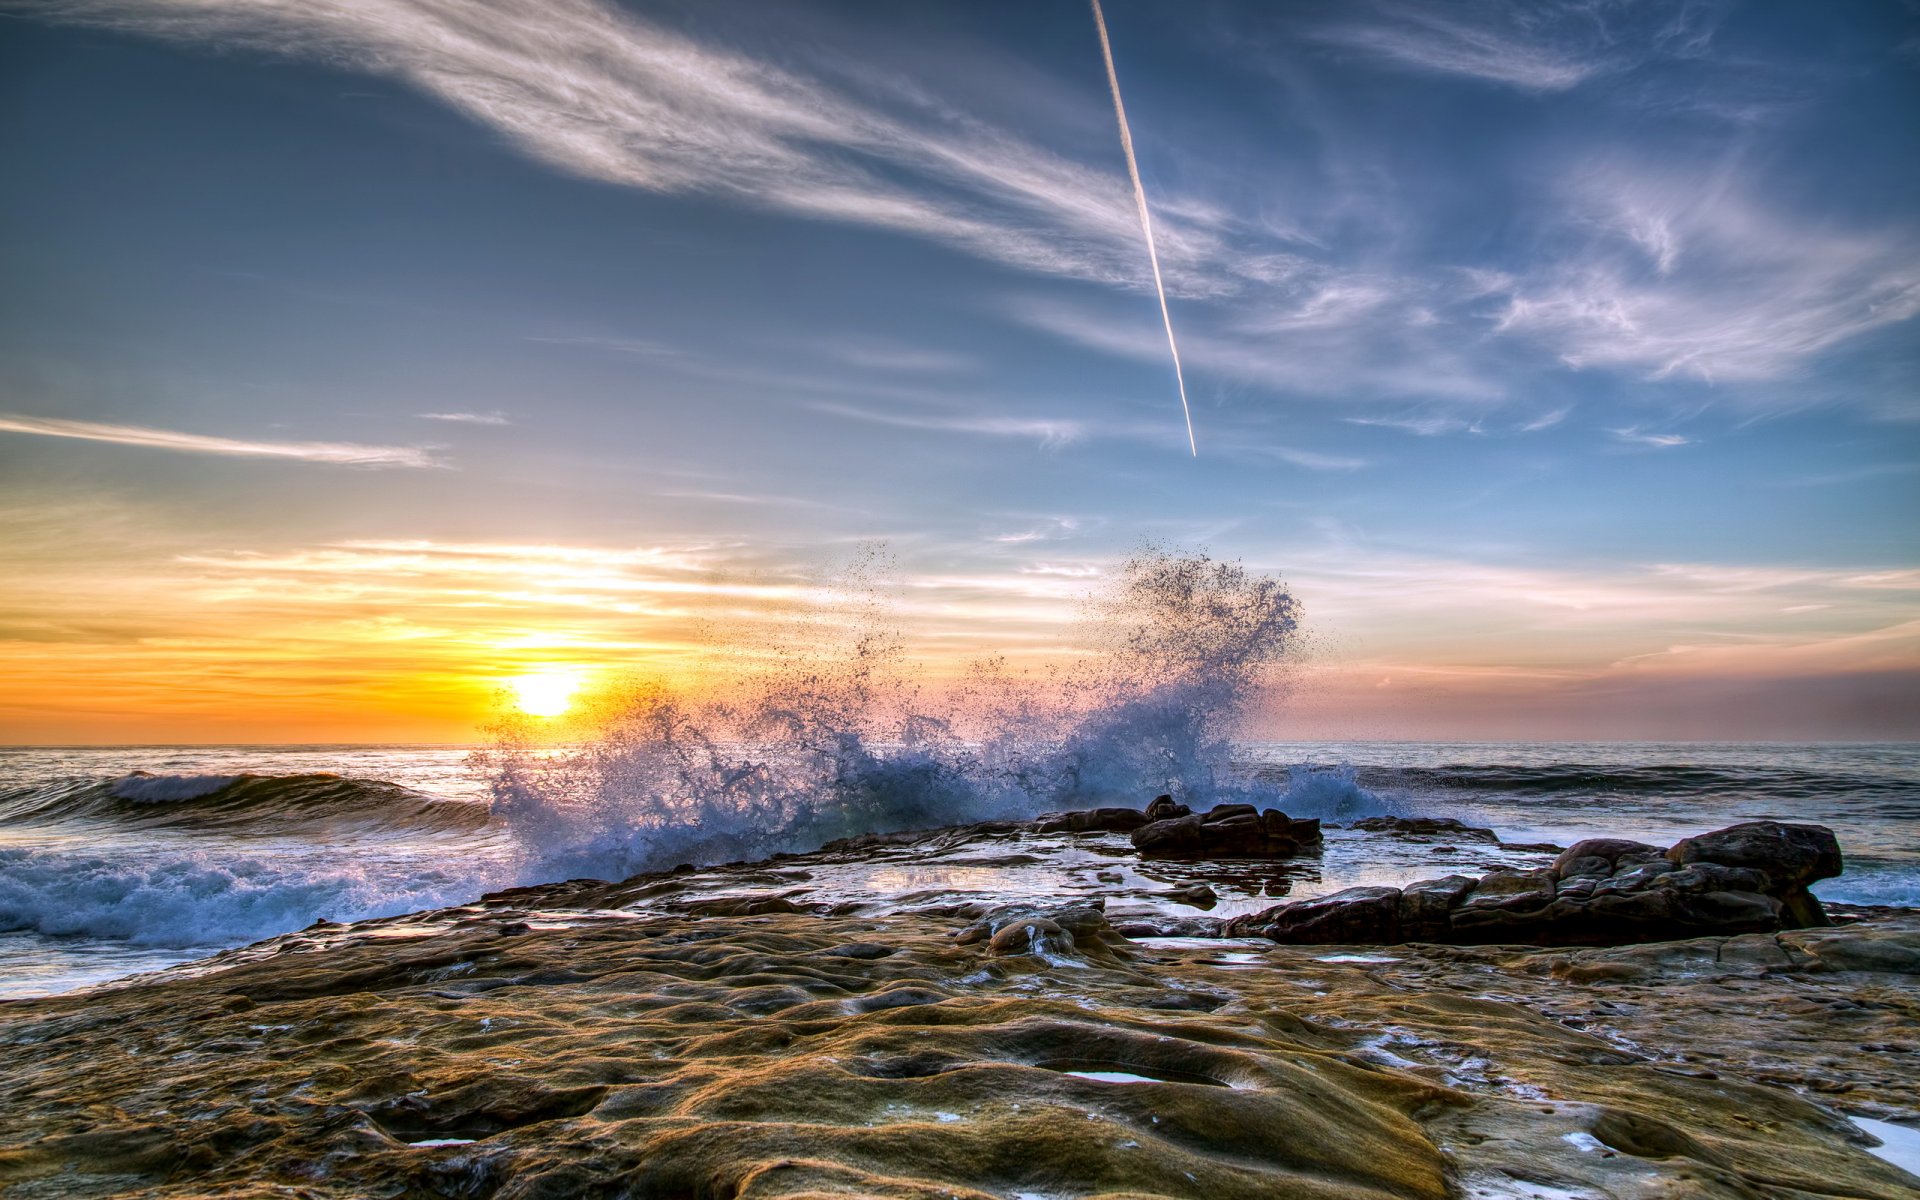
x,y
120,860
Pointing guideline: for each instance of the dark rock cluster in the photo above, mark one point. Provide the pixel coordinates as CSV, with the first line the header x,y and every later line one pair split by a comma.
x,y
1170,830
1426,827
1749,878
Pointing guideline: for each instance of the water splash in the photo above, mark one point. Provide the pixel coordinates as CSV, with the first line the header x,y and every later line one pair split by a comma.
x,y
841,734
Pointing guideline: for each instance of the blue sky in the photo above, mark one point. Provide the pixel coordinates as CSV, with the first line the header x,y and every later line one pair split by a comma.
x,y
1562,355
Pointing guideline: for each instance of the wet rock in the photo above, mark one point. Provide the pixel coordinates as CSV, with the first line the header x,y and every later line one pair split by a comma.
x,y
1074,930
1091,820
1031,935
1600,856
1196,895
1425,827
1228,831
1600,892
1356,916
1424,907
1891,951
1152,927
1789,856
1163,808
664,1055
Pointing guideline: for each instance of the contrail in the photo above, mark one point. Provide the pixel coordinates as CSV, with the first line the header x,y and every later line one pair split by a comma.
x,y
1146,220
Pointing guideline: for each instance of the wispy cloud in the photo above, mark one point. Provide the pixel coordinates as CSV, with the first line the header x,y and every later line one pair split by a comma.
x,y
1439,41
1423,426
1675,275
1543,47
467,418
1657,441
1335,290
1048,431
606,94
1315,461
342,453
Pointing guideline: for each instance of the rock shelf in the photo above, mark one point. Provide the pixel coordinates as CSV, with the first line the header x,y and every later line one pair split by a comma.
x,y
570,1041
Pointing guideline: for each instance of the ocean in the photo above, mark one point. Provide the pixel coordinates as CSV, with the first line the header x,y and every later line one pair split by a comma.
x,y
121,860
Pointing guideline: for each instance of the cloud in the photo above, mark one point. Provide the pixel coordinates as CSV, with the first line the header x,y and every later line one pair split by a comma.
x,y
467,418
1315,461
1334,286
1548,47
1440,42
1658,441
1433,426
1048,431
341,453
605,94
1676,274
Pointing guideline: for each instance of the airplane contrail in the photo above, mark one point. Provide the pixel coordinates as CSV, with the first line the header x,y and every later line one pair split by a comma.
x,y
1146,220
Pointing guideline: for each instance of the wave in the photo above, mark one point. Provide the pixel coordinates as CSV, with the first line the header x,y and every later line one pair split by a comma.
x,y
243,805
210,899
841,735
1677,781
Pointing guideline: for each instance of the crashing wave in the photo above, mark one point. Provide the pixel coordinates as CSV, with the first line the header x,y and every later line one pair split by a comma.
x,y
242,805
189,899
849,738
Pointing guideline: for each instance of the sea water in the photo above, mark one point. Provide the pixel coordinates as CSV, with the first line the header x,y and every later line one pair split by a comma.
x,y
119,860
126,859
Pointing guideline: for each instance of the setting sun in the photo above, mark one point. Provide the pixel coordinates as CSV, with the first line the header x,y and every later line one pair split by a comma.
x,y
546,693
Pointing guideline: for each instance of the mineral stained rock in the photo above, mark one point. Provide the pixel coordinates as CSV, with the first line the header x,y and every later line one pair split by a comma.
x,y
995,1052
1749,878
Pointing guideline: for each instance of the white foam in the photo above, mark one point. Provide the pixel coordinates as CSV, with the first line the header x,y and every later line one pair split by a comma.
x,y
836,735
209,899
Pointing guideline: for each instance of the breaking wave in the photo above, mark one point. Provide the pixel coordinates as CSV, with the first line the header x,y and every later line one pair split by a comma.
x,y
841,735
241,805
169,897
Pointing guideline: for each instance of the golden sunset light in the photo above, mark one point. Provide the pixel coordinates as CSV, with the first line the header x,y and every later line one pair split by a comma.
x,y
594,593
548,692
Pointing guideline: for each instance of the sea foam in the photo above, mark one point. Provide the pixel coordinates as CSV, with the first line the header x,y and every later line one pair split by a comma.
x,y
841,735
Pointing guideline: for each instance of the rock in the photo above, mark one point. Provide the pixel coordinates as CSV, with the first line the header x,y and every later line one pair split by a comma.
x,y
1176,836
1164,809
1152,927
1356,916
1228,831
1792,855
1893,952
1601,892
1425,827
1075,930
1599,856
1196,895
1031,935
1091,820
1789,856
1424,907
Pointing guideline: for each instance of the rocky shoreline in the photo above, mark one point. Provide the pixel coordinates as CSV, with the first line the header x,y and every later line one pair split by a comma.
x,y
745,1031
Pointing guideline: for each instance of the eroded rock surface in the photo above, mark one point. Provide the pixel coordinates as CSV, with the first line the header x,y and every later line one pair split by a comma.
x,y
790,1055
1748,878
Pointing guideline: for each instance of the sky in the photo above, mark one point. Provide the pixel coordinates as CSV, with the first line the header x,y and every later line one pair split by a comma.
x,y
360,359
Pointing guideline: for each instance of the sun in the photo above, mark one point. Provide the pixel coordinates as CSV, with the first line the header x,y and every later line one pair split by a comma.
x,y
547,692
